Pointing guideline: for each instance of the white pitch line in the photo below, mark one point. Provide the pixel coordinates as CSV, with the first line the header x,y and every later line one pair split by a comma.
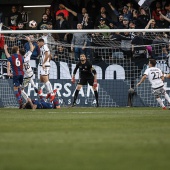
x,y
78,112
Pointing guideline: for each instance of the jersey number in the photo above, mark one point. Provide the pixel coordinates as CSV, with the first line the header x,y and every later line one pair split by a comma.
x,y
155,75
17,62
27,66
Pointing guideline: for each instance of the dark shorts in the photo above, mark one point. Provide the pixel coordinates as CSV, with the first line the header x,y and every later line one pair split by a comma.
x,y
84,80
17,80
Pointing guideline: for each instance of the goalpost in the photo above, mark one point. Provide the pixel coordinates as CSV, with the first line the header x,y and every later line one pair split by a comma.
x,y
119,65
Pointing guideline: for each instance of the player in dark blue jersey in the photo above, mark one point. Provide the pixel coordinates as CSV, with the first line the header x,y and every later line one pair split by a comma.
x,y
42,104
15,63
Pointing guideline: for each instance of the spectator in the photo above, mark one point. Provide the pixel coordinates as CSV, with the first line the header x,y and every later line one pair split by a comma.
x,y
126,12
130,7
116,40
132,24
119,23
43,22
143,19
61,54
149,36
92,9
62,24
167,8
113,9
135,19
78,16
162,23
126,44
155,12
125,23
20,25
164,17
24,15
104,26
79,42
103,14
151,24
21,37
50,27
48,12
14,18
63,10
87,23
36,50
78,5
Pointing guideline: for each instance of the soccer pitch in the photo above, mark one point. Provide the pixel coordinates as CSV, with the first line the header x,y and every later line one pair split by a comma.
x,y
85,139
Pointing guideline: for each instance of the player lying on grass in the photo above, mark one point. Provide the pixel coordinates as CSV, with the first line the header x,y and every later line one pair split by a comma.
x,y
156,78
41,103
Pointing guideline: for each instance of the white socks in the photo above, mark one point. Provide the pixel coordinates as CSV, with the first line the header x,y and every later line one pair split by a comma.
x,y
48,87
160,102
32,82
24,95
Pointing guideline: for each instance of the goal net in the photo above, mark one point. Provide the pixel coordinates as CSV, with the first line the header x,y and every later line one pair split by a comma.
x,y
120,59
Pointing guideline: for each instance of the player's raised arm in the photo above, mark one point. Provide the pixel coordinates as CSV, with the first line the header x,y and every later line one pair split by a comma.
x,y
30,44
6,51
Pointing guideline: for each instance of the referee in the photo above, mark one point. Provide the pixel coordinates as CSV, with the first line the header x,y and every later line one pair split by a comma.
x,y
87,74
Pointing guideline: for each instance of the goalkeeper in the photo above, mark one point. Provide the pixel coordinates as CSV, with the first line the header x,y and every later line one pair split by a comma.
x,y
87,74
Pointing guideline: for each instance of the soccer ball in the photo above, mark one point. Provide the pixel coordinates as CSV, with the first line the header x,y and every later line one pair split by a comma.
x,y
32,24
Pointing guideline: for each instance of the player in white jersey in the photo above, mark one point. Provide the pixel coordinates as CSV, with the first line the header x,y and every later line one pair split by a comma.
x,y
45,68
156,79
28,72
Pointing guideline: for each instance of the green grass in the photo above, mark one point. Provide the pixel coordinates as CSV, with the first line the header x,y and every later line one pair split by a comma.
x,y
85,139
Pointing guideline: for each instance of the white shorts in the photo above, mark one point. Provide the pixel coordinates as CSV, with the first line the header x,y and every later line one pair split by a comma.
x,y
27,77
157,92
26,81
45,72
28,74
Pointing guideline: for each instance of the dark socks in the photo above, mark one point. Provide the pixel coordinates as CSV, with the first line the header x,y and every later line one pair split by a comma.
x,y
75,95
96,96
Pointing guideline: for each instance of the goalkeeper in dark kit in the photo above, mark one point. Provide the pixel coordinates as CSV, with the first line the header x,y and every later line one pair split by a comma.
x,y
87,74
